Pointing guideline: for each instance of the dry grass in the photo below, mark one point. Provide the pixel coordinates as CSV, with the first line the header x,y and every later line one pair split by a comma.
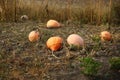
x,y
23,60
89,11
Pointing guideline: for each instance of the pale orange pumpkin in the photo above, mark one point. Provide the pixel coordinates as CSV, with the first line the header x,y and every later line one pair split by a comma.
x,y
75,40
33,36
105,36
54,43
53,24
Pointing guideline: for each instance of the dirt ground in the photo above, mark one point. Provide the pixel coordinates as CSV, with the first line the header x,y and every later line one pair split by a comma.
x,y
23,60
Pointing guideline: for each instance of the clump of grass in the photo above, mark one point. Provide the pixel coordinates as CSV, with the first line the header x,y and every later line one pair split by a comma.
x,y
89,66
95,38
96,42
115,63
73,47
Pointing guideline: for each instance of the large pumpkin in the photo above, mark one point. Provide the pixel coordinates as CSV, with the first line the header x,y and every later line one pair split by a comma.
x,y
53,24
33,36
75,40
54,43
105,36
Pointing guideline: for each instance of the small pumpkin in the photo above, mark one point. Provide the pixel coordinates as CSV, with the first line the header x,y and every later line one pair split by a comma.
x,y
74,40
105,36
54,43
33,36
53,24
24,18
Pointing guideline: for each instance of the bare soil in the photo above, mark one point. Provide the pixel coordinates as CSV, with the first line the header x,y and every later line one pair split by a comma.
x,y
22,60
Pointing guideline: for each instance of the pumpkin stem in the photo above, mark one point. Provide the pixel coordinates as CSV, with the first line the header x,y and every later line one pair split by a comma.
x,y
54,55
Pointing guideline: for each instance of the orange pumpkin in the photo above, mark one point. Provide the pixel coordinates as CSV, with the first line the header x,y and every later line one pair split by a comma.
x,y
53,24
54,43
105,36
75,40
33,36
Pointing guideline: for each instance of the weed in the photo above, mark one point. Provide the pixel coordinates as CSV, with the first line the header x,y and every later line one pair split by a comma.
x,y
115,63
74,47
89,66
95,38
97,44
